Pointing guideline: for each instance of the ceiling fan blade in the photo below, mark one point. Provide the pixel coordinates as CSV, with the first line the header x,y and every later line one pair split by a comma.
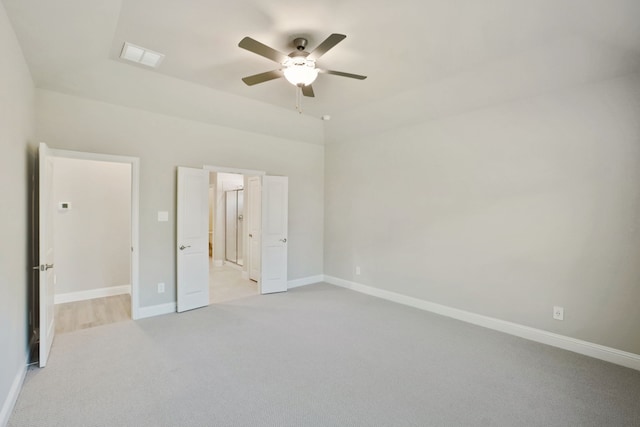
x,y
340,73
330,42
262,77
262,49
308,91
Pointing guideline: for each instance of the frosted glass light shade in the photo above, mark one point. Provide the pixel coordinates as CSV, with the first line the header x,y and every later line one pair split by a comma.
x,y
301,72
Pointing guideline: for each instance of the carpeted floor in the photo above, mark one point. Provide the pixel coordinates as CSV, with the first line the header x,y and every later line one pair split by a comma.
x,y
318,356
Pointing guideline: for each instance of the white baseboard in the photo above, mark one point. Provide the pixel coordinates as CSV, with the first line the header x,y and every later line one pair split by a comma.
x,y
91,294
14,391
218,263
156,310
619,357
305,281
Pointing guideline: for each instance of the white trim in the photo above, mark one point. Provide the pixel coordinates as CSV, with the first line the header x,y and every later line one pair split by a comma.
x,y
304,281
14,392
218,263
223,169
135,238
91,294
157,310
619,357
135,212
245,275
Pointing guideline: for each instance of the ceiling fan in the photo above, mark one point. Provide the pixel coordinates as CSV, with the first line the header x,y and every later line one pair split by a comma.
x,y
299,67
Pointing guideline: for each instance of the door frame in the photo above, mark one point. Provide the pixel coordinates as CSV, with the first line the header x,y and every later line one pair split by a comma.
x,y
135,212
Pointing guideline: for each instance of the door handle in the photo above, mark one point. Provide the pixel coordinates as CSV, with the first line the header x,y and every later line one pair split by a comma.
x,y
183,247
250,235
284,240
43,267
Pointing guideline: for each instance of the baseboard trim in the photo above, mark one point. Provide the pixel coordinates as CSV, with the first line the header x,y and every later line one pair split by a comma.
x,y
91,294
14,392
305,281
619,357
156,310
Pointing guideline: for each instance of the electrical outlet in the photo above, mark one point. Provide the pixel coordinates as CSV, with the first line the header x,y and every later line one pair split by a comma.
x,y
357,270
558,313
160,288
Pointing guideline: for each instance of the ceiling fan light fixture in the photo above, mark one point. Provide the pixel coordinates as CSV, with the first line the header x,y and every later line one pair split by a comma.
x,y
300,71
298,68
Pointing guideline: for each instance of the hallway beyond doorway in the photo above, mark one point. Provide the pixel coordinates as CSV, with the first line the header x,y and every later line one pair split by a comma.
x,y
72,316
226,284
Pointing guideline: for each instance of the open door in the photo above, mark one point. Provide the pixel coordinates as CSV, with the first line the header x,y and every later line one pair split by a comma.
x,y
275,204
45,252
192,239
254,216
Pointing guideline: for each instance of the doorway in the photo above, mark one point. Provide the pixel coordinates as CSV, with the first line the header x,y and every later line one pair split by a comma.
x,y
77,196
195,227
92,240
229,215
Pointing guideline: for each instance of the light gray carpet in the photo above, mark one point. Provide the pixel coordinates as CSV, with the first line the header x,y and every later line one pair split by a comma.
x,y
318,356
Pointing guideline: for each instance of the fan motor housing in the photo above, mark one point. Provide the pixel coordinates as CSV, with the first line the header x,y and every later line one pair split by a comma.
x,y
300,43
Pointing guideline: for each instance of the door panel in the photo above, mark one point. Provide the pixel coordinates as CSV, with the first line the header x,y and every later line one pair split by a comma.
x,y
46,252
192,239
274,234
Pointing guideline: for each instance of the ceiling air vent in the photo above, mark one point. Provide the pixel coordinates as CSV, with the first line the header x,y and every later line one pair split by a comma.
x,y
140,55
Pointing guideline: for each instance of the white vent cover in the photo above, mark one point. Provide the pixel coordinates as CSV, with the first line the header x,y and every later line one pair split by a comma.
x,y
140,55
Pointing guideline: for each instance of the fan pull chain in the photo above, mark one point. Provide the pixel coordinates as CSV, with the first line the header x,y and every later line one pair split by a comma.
x,y
299,99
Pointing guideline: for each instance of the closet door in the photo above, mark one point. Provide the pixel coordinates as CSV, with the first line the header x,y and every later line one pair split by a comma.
x,y
275,205
192,254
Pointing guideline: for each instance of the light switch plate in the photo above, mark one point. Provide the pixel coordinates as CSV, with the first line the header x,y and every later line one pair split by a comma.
x,y
163,216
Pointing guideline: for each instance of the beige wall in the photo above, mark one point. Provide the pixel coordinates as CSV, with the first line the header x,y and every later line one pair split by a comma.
x,y
92,240
16,162
505,211
162,143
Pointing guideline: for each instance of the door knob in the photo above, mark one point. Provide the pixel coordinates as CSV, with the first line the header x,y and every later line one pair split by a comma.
x,y
183,247
250,235
284,240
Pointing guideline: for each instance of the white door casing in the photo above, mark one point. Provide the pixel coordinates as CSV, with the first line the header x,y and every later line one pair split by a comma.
x,y
275,200
192,252
46,252
254,219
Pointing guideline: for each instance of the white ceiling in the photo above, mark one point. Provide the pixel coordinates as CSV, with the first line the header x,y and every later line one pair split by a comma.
x,y
423,58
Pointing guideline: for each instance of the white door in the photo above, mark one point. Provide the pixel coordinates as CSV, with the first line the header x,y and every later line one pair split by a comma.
x,y
45,254
192,238
254,214
275,201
